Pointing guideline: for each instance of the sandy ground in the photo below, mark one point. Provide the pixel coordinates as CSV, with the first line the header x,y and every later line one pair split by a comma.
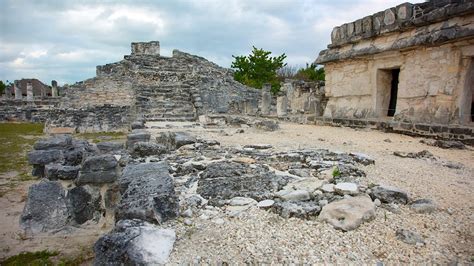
x,y
260,236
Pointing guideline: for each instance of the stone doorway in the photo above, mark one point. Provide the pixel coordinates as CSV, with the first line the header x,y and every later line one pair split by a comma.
x,y
387,91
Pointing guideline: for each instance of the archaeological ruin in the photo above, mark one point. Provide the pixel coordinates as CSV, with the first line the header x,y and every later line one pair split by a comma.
x,y
412,63
188,166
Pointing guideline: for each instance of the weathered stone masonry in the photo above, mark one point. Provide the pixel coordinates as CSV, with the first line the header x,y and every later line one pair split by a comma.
x,y
157,88
428,48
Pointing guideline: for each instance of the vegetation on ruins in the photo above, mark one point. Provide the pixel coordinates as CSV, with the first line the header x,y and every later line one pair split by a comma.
x,y
309,73
258,68
3,86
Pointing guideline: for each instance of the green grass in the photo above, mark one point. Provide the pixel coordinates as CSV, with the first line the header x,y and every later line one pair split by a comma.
x,y
17,140
102,136
38,258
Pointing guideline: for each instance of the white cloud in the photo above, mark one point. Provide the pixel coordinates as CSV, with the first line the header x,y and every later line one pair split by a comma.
x,y
69,38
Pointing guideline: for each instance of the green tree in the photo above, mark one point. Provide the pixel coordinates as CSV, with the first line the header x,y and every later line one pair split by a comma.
x,y
311,73
3,86
258,68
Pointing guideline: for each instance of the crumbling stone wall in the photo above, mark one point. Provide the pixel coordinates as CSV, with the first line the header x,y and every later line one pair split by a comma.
x,y
431,43
305,97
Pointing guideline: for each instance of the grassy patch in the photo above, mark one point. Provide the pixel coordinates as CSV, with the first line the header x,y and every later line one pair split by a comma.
x,y
17,140
102,136
31,258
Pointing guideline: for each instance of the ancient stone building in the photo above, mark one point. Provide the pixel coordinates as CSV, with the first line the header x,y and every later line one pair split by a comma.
x,y
412,63
157,88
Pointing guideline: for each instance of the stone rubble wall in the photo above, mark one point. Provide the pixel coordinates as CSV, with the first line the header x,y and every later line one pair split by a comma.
x,y
105,118
21,110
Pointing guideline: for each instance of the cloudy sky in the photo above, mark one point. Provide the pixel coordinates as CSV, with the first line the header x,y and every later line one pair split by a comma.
x,y
66,39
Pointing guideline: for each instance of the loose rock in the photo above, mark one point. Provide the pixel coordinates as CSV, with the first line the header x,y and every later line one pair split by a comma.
x,y
389,194
348,214
134,242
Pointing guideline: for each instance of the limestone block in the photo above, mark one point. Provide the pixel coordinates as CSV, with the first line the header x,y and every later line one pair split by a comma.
x,y
282,106
389,17
404,11
266,99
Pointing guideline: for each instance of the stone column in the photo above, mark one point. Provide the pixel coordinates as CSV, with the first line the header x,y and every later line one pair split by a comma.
x,y
54,88
17,90
29,92
266,99
282,105
8,92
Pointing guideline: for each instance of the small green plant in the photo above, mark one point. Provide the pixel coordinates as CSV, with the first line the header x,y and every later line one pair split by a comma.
x,y
38,258
336,172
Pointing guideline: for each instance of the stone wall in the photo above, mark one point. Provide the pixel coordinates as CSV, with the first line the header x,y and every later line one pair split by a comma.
x,y
106,118
433,52
22,110
305,97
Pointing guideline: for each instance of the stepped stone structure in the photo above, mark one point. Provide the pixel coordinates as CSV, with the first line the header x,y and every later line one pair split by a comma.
x,y
412,62
158,88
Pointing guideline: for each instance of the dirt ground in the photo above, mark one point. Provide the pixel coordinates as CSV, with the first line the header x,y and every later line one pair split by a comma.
x,y
260,236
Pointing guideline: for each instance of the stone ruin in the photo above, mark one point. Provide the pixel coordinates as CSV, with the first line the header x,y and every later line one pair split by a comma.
x,y
409,64
155,88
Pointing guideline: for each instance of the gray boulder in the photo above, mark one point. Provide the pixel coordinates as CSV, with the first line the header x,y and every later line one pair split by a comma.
x,y
137,136
174,140
299,209
389,194
45,208
110,146
149,196
409,237
54,171
423,206
362,158
225,180
57,142
348,214
143,149
84,203
43,157
98,170
134,242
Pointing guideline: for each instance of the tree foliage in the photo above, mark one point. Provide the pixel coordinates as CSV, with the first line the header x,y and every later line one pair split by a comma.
x,y
310,73
3,86
258,68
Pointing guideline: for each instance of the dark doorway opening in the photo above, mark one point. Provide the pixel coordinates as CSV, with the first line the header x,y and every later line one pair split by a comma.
x,y
393,92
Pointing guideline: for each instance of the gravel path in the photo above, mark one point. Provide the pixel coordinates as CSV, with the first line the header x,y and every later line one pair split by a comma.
x,y
260,236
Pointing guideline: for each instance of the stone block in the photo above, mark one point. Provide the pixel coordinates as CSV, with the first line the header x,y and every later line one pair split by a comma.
x,y
43,157
84,203
98,170
55,171
45,208
56,142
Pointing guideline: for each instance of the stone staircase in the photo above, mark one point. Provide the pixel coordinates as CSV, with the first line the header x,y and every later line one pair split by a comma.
x,y
165,102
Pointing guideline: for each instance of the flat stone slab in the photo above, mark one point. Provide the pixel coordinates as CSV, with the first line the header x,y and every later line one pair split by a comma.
x,y
265,203
348,214
346,188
